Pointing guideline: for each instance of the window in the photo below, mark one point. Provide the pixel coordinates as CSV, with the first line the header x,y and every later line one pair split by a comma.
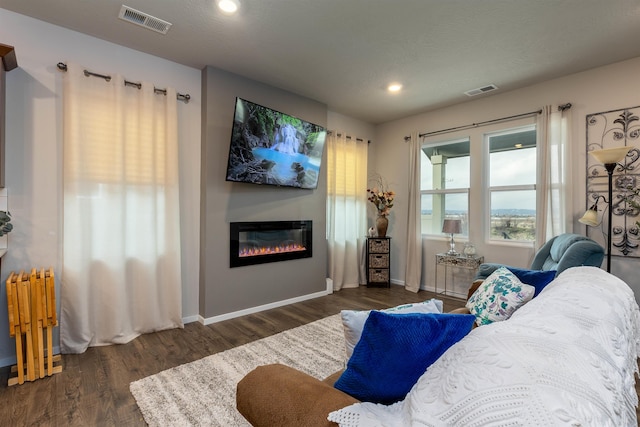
x,y
444,184
486,178
511,171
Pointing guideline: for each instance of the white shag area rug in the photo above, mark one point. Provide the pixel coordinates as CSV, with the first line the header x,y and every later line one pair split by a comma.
x,y
203,393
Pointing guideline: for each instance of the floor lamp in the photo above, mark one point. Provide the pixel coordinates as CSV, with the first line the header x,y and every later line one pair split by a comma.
x,y
609,157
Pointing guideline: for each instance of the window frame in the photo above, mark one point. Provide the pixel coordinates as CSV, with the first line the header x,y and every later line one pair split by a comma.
x,y
488,190
446,191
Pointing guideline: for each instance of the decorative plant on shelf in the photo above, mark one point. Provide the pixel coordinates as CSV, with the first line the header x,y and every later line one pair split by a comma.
x,y
5,223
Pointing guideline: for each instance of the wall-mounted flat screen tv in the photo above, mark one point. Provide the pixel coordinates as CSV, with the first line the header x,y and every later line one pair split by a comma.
x,y
273,148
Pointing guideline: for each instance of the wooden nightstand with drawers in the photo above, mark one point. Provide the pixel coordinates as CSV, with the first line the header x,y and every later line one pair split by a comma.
x,y
378,261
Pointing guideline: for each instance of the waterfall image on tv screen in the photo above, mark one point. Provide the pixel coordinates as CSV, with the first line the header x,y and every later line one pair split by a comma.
x,y
273,148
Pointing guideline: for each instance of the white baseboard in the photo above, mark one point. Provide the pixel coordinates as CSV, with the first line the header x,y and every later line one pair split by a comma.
x,y
397,282
422,287
329,285
190,319
227,316
10,361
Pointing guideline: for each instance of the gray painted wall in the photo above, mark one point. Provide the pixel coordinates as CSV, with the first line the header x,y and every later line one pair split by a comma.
x,y
223,289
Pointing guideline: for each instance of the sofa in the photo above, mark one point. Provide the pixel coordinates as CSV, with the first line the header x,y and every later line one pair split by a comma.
x,y
566,357
557,254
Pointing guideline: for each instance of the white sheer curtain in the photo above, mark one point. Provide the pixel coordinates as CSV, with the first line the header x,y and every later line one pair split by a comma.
x,y
346,209
413,268
554,195
121,267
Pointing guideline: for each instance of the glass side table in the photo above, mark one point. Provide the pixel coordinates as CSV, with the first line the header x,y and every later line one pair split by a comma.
x,y
450,262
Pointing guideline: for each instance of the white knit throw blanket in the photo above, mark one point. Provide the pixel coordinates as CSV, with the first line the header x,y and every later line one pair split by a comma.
x,y
568,357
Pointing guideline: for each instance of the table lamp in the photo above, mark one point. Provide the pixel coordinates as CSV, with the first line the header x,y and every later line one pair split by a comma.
x,y
452,226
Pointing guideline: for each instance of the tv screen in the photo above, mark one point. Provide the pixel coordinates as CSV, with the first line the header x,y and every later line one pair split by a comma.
x,y
273,148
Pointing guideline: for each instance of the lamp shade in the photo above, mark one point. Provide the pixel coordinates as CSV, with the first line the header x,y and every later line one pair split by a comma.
x,y
590,217
610,155
452,226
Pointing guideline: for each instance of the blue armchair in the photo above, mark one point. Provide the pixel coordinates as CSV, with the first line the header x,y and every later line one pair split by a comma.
x,y
559,253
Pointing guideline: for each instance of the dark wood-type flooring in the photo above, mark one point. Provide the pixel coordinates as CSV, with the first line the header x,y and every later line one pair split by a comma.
x,y
93,388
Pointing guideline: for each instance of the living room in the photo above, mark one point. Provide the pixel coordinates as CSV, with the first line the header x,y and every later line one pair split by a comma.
x,y
211,291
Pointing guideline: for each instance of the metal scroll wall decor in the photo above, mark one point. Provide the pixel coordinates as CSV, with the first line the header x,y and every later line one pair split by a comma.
x,y
611,129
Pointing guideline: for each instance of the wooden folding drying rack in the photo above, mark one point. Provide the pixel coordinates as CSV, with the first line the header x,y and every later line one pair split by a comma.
x,y
31,299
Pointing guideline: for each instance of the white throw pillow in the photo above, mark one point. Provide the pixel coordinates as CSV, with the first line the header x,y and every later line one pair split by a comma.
x,y
501,294
353,320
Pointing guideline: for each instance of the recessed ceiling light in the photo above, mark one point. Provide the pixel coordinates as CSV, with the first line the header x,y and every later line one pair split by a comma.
x,y
228,6
394,87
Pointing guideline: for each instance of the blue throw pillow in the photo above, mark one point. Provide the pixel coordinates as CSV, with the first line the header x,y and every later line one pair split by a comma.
x,y
353,320
395,350
536,278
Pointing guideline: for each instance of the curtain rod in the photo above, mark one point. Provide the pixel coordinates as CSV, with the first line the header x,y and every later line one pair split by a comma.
x,y
348,136
181,97
472,125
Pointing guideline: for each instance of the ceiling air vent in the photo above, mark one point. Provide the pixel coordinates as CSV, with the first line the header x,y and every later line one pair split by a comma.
x,y
484,89
144,20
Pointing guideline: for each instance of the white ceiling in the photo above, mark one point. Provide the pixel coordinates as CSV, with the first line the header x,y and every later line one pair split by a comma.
x,y
345,52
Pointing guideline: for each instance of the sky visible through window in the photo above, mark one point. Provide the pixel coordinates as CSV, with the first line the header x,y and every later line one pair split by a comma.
x,y
513,167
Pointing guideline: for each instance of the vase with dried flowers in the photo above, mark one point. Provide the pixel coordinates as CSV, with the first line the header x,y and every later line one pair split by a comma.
x,y
382,199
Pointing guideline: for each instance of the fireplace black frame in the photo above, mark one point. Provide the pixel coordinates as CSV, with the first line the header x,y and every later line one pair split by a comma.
x,y
235,228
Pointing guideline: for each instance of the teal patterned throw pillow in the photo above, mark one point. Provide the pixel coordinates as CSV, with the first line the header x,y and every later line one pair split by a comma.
x,y
498,297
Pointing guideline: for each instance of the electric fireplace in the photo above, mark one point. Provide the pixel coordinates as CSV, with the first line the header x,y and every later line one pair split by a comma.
x,y
269,241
